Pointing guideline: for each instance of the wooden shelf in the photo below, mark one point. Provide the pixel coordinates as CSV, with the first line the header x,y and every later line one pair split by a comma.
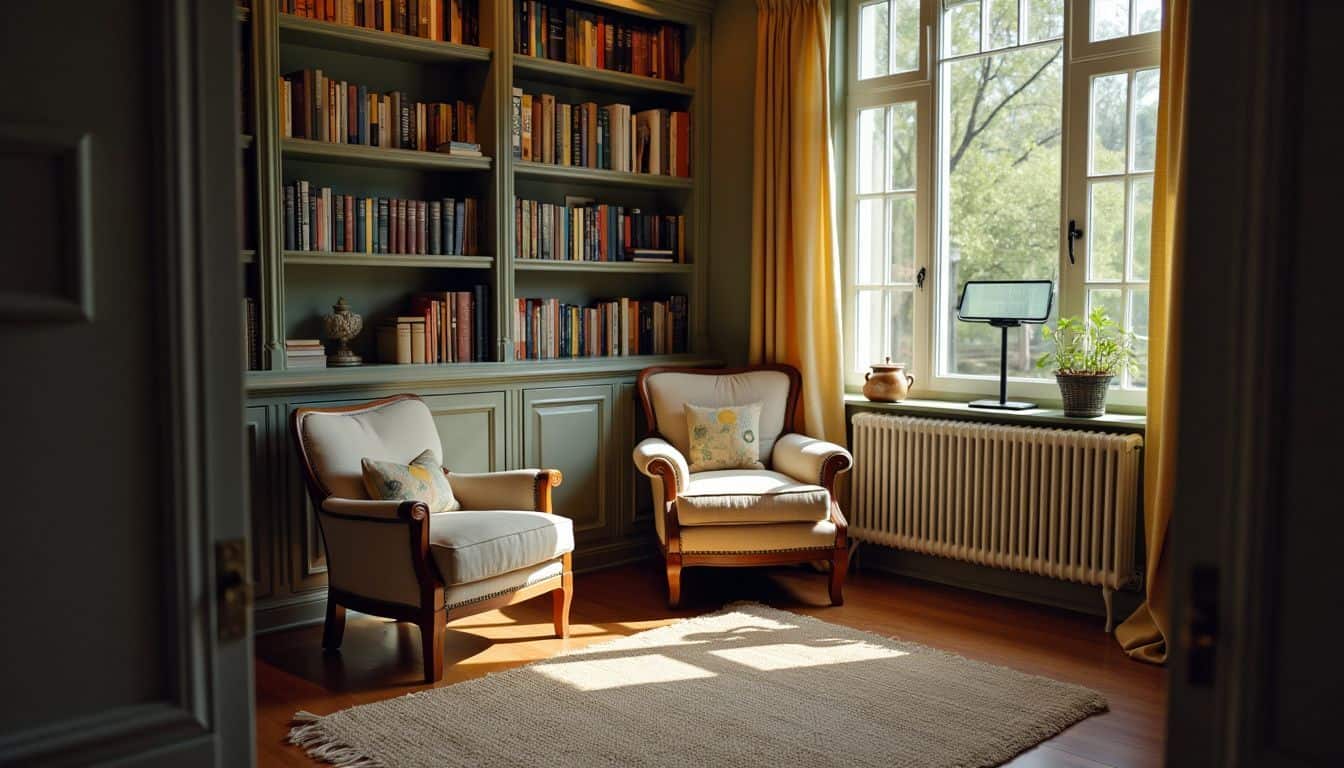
x,y
376,375
299,30
562,73
358,154
532,170
342,259
643,267
247,256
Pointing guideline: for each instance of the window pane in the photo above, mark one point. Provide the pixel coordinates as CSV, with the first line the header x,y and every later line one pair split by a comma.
x,y
872,239
1106,231
874,43
1141,227
1147,16
1110,95
1045,19
882,327
904,134
976,349
1110,19
901,225
1109,300
1138,318
872,140
962,25
1145,120
1002,158
1002,23
906,32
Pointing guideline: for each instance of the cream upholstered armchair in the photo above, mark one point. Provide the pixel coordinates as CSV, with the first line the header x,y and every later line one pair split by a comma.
x,y
785,513
395,559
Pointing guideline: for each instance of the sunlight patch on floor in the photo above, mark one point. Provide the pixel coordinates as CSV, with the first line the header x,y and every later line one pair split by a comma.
x,y
601,674
795,655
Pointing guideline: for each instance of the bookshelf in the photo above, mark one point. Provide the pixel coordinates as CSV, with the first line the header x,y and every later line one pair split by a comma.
x,y
578,415
289,285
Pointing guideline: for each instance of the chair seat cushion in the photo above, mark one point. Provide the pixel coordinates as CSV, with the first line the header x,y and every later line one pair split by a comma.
x,y
475,545
736,496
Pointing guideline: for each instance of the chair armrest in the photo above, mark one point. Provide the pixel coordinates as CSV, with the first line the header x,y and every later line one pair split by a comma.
x,y
809,460
374,509
518,489
656,457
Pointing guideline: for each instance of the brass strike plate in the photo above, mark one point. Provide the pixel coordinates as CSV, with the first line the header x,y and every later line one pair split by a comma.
x,y
233,593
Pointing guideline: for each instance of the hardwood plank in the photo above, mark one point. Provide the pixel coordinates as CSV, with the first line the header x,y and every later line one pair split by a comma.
x,y
381,659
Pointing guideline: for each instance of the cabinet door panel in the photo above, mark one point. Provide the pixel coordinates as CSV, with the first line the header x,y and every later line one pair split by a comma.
x,y
569,429
636,496
471,427
260,447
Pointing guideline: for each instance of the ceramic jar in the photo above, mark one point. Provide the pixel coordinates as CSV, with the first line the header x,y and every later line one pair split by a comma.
x,y
887,382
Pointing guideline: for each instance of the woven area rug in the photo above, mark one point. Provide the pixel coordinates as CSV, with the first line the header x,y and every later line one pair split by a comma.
x,y
746,686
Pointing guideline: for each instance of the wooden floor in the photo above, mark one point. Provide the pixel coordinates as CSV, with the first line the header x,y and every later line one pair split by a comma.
x,y
381,659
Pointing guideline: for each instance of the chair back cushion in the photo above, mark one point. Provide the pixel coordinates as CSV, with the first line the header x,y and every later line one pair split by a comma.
x,y
668,391
335,441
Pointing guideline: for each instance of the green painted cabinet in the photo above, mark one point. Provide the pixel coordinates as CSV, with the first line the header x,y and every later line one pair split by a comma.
x,y
570,429
471,427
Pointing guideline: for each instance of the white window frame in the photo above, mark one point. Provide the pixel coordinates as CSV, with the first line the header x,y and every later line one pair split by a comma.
x,y
1083,59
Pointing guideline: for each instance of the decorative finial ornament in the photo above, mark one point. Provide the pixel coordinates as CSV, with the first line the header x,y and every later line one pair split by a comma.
x,y
342,326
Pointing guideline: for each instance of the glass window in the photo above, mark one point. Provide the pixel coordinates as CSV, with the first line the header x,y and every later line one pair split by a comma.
x,y
889,38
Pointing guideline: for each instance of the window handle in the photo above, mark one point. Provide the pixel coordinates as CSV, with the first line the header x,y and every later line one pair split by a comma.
x,y
1074,234
919,278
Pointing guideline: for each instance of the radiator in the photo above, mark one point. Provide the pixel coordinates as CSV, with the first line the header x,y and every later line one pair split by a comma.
x,y
1053,502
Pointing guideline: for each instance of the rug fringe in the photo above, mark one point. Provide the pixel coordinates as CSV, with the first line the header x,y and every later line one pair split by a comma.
x,y
313,738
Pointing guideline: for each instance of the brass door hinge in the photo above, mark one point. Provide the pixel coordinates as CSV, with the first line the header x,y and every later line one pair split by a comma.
x,y
233,593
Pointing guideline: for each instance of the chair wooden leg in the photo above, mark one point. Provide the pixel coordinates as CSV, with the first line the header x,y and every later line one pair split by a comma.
x,y
431,644
560,599
839,565
673,584
334,629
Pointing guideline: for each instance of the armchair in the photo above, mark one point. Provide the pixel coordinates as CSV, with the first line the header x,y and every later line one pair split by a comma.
x,y
397,560
785,513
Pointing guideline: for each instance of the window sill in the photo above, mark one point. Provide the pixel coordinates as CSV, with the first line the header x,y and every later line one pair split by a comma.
x,y
1041,417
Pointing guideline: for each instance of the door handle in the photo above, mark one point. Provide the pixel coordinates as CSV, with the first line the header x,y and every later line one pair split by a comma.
x,y
1074,234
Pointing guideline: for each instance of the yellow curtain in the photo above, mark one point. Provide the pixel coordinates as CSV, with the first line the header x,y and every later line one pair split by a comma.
x,y
795,276
1144,635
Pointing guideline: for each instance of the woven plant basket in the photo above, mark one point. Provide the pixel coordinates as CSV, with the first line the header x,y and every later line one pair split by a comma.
x,y
1083,396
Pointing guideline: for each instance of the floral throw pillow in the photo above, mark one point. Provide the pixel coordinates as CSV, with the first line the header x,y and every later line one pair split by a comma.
x,y
724,437
421,480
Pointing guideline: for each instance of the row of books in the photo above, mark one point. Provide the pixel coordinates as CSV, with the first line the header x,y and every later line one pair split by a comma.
x,y
453,21
596,233
605,40
316,219
304,353
654,141
546,329
443,327
251,349
316,107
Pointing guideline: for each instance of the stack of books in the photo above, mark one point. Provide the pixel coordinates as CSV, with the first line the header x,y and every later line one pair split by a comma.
x,y
316,219
315,107
441,327
451,21
304,353
606,40
596,232
544,329
611,137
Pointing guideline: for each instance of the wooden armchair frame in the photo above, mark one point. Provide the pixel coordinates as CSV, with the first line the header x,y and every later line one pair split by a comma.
x,y
431,615
837,556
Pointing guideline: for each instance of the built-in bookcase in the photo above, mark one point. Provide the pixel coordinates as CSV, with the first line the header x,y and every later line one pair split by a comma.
x,y
292,289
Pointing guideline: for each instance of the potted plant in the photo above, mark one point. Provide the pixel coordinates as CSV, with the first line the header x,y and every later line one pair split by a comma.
x,y
1087,353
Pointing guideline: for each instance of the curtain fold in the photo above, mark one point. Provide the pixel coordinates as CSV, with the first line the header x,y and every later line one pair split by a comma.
x,y
795,276
1144,634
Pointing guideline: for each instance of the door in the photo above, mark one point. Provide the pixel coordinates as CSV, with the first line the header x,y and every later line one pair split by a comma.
x,y
1255,537
120,331
569,429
